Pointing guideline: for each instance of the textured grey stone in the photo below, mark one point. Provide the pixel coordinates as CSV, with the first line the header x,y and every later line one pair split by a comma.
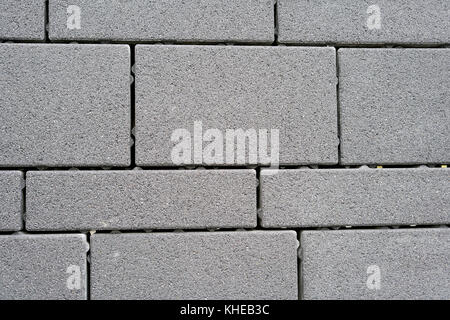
x,y
140,199
413,264
229,87
355,197
22,20
64,105
11,185
420,22
43,267
394,106
174,20
213,265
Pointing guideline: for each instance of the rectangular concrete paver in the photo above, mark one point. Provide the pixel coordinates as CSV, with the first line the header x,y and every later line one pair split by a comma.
x,y
141,199
214,265
174,20
64,105
394,106
376,264
344,22
22,20
11,200
186,93
354,197
43,267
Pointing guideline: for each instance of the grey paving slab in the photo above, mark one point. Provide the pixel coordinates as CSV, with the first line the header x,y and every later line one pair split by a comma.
x,y
11,200
141,199
394,106
64,105
22,20
376,264
43,267
213,265
344,22
355,197
175,20
223,88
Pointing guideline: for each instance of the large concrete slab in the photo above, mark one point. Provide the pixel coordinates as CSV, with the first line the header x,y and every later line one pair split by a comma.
x,y
292,90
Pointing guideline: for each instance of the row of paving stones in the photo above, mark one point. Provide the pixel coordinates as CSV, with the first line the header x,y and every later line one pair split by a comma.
x,y
348,264
72,105
419,22
208,199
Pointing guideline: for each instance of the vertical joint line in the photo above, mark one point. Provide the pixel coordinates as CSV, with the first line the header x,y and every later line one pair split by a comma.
x,y
299,266
275,11
338,106
24,200
258,197
133,105
47,21
88,267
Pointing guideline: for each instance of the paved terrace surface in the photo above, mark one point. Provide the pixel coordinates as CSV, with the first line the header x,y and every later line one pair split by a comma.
x,y
209,149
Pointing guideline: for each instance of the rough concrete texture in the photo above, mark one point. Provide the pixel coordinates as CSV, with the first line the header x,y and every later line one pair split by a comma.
x,y
221,265
289,89
64,105
355,197
376,264
175,20
11,202
419,22
109,200
43,267
22,20
394,106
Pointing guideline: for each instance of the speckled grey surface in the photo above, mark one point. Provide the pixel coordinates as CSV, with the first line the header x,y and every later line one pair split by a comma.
x,y
212,265
394,106
174,20
355,197
225,87
412,264
418,22
97,130
43,267
11,202
109,200
22,20
64,105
